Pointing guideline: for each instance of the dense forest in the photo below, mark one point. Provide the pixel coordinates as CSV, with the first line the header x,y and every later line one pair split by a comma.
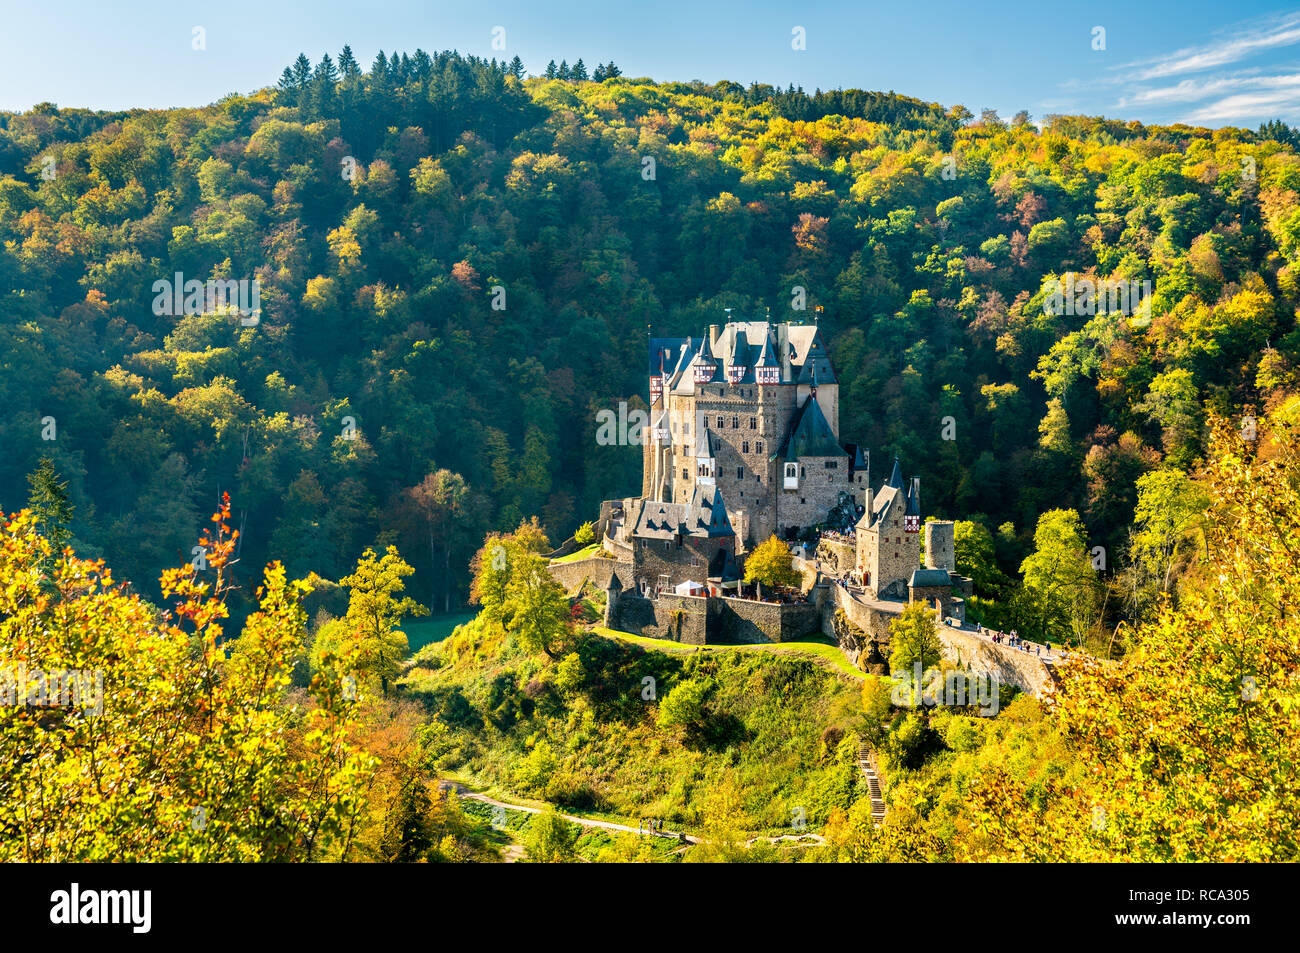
x,y
458,266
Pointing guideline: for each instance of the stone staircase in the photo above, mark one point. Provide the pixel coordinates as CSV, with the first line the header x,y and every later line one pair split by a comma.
x,y
867,763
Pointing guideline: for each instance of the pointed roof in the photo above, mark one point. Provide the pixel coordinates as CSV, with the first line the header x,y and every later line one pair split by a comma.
x,y
810,435
767,357
896,477
614,584
913,499
716,522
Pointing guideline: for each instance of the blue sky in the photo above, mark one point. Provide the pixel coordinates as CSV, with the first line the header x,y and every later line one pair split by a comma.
x,y
1206,63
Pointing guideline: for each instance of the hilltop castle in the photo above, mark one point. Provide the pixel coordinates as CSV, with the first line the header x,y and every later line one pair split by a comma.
x,y
743,443
750,413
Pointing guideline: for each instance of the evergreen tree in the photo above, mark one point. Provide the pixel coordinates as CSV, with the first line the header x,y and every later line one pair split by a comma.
x,y
564,70
551,71
579,71
48,501
517,68
301,72
288,89
348,65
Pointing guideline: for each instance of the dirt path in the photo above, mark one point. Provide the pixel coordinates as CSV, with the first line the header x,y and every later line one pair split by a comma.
x,y
465,792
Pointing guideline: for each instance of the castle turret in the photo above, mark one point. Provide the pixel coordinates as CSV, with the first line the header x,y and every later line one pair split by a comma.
x,y
613,589
912,513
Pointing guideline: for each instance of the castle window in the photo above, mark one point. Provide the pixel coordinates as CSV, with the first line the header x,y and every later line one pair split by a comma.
x,y
686,427
832,465
758,446
721,424
685,474
744,447
803,500
803,471
740,473
753,423
735,423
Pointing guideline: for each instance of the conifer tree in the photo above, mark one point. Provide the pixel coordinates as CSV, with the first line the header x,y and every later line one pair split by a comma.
x,y
48,502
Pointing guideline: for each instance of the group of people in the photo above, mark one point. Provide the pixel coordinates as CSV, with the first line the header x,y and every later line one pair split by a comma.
x,y
654,825
1011,639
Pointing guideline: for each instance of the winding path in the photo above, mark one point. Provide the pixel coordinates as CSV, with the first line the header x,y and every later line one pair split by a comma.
x,y
464,792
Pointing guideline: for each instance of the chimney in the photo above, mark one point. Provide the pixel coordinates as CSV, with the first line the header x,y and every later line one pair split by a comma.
x,y
868,499
783,344
713,337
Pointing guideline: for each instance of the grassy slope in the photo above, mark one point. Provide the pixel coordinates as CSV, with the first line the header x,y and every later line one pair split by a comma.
x,y
579,733
585,553
826,651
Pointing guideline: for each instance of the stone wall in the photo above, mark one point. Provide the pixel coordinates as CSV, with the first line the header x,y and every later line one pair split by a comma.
x,y
690,561
837,556
819,490
744,620
708,620
940,550
675,618
1010,666
596,569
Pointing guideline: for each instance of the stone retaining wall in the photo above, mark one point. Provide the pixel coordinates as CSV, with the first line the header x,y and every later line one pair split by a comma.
x,y
596,568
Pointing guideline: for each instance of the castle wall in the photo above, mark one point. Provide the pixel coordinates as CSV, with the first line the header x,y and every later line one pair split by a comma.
x,y
596,570
675,618
744,620
837,556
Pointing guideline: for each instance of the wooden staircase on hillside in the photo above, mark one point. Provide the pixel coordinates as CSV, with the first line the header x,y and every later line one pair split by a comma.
x,y
867,763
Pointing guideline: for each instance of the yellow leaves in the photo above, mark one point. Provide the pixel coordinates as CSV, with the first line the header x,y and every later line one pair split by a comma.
x,y
178,729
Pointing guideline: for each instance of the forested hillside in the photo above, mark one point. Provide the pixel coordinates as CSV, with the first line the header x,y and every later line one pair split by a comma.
x,y
463,264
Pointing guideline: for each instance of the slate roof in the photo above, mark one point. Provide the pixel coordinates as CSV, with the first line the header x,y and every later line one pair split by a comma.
x,y
931,577
705,516
810,435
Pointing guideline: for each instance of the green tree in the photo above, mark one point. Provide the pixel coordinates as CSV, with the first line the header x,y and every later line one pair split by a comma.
x,y
684,706
914,638
1059,581
51,510
550,838
375,610
211,760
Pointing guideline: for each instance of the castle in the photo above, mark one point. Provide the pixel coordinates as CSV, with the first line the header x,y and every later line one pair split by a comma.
x,y
744,443
750,413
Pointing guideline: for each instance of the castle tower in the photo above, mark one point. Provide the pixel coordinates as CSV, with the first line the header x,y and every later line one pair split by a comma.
x,y
888,548
613,589
940,548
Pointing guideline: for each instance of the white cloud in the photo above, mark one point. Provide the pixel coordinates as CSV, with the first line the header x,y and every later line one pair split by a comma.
x,y
1253,106
1195,90
1272,34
